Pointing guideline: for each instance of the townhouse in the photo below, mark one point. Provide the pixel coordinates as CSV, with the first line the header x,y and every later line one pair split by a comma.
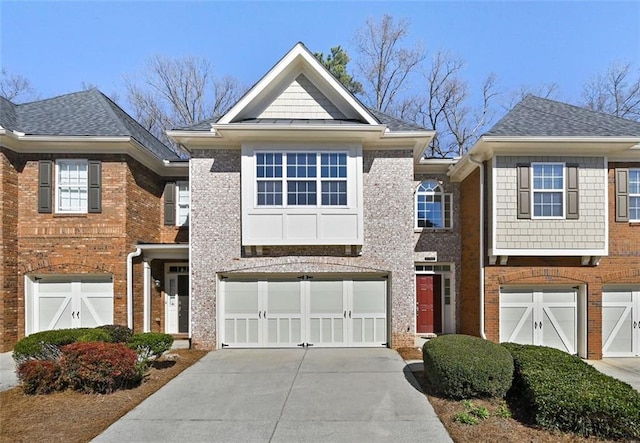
x,y
302,218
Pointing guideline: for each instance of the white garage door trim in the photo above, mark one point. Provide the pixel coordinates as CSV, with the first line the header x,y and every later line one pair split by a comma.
x,y
278,312
621,321
63,301
540,316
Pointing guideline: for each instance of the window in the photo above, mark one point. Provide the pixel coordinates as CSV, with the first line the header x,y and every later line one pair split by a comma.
x,y
634,195
548,190
310,179
72,186
182,200
433,207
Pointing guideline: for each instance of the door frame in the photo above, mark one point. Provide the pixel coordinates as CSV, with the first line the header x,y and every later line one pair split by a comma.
x,y
168,274
447,289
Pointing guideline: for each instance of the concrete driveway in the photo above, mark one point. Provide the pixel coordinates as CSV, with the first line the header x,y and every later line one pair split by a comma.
x,y
8,378
626,369
282,395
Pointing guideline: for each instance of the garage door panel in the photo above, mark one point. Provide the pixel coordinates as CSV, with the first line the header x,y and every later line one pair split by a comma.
x,y
96,311
620,313
559,328
54,313
516,324
327,313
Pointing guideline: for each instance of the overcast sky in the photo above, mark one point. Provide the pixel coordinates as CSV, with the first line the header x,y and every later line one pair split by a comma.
x,y
60,45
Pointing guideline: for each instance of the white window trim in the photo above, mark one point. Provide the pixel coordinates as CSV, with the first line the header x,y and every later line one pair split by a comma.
x,y
285,179
57,186
447,197
637,195
549,191
187,203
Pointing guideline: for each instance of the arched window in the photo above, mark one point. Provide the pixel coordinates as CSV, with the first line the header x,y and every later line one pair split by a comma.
x,y
433,206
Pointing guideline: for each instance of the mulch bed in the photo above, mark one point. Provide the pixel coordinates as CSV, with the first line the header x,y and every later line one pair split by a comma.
x,y
71,416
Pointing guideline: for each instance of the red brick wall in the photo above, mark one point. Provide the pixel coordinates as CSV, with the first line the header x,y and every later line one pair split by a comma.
x,y
8,249
470,267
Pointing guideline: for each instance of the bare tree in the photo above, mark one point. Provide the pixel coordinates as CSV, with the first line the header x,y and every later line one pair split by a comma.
x,y
170,93
16,87
616,92
445,104
544,90
385,62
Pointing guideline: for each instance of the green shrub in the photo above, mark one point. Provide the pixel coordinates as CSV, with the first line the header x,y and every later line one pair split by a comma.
x,y
99,367
565,393
150,345
46,345
119,333
461,366
95,335
39,376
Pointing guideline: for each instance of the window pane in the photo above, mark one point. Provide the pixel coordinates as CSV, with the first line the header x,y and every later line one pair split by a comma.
x,y
334,193
634,181
333,165
268,165
429,211
71,186
634,208
547,204
547,176
269,193
301,165
301,193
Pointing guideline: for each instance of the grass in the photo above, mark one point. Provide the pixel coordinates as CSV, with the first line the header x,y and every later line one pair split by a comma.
x,y
486,420
71,416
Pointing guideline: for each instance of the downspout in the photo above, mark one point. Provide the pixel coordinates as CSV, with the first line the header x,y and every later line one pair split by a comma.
x,y
130,256
481,165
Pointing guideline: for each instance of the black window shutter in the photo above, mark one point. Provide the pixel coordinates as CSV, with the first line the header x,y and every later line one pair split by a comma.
x,y
524,191
45,168
170,204
622,195
573,206
95,186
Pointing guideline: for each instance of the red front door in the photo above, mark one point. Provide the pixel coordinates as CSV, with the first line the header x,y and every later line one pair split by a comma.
x,y
428,303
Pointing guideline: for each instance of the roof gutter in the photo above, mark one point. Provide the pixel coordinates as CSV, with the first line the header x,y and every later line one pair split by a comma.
x,y
481,255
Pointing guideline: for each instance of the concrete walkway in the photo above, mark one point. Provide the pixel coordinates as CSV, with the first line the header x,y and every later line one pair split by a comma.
x,y
286,395
8,377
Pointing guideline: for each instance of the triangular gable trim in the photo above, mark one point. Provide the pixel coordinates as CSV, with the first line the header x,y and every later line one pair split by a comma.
x,y
298,53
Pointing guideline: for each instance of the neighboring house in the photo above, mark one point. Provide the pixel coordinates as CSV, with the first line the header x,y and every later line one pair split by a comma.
x,y
303,218
555,260
81,185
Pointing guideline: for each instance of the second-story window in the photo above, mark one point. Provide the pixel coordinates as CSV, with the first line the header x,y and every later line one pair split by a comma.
x,y
433,206
307,178
72,183
634,195
548,190
182,203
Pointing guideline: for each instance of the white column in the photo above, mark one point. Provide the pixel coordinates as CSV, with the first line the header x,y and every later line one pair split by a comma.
x,y
146,311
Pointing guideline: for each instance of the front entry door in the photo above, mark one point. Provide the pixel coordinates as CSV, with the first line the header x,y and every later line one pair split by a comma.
x,y
177,304
428,303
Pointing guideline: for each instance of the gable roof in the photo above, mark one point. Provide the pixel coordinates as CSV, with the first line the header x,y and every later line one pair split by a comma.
x,y
299,60
540,117
85,113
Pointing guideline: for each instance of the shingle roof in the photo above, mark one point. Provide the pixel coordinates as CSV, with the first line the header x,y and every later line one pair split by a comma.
x,y
85,113
394,124
540,117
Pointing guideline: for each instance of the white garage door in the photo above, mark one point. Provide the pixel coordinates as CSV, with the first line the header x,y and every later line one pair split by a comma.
x,y
540,316
59,302
287,313
621,322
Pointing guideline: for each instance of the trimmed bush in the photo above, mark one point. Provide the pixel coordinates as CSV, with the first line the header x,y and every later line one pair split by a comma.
x,y
118,333
39,376
462,366
45,345
99,367
95,335
150,345
565,393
